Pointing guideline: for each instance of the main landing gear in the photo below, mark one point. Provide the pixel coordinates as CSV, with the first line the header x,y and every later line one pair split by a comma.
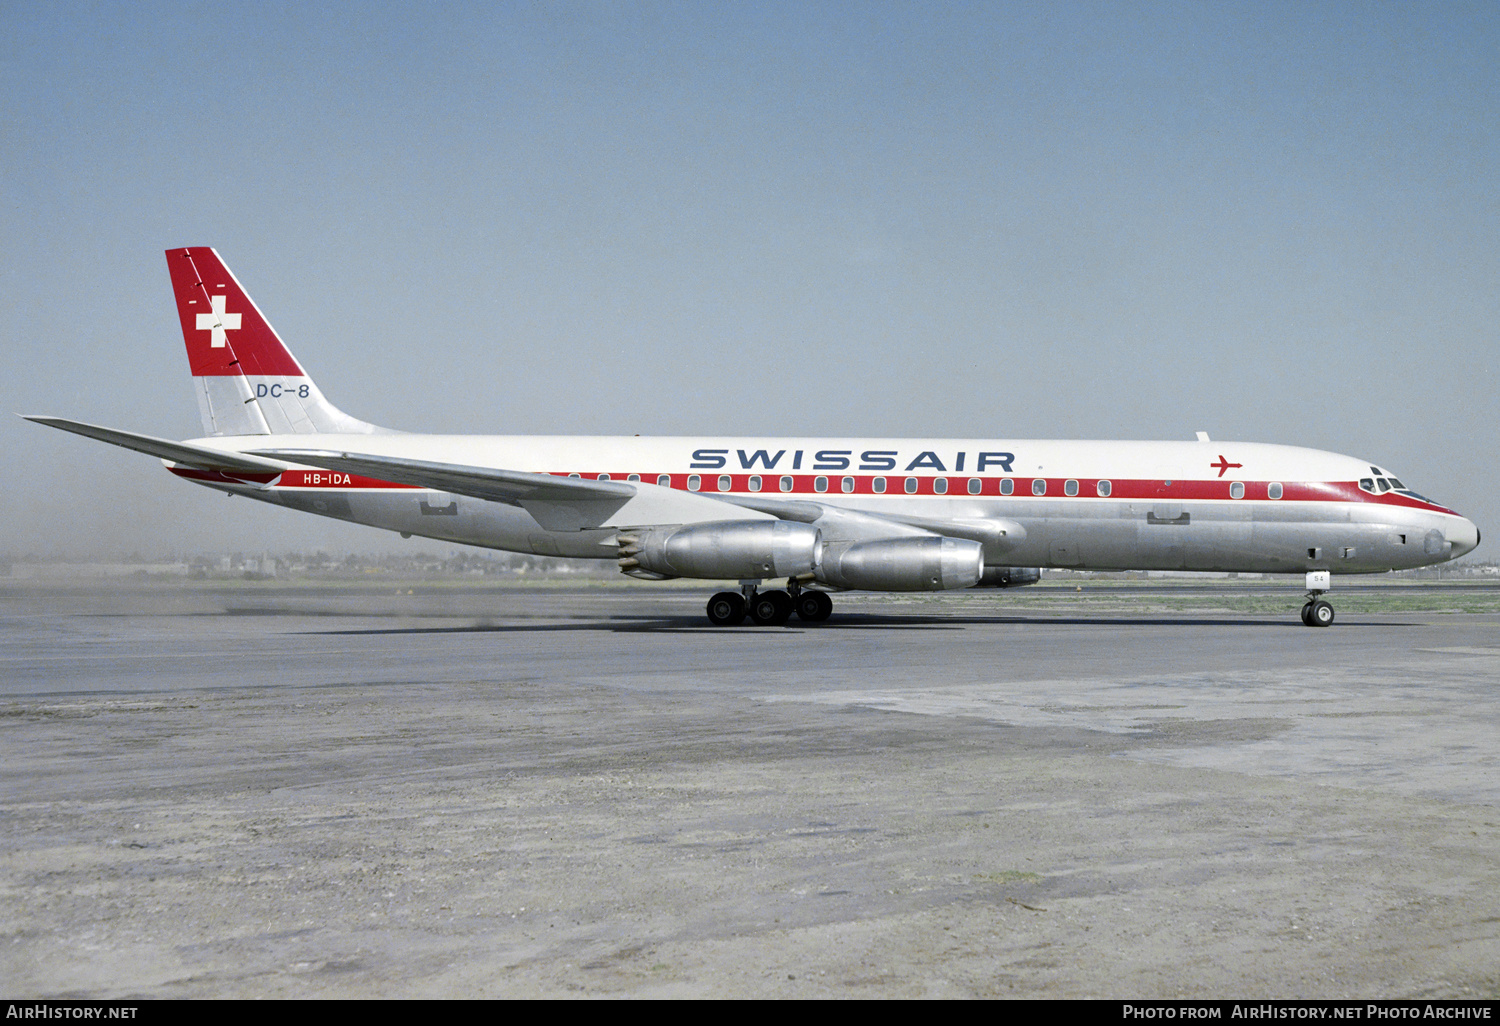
x,y
769,608
1317,612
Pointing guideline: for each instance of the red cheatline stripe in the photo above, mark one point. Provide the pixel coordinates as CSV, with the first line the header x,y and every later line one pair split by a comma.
x,y
1137,490
957,486
288,479
332,479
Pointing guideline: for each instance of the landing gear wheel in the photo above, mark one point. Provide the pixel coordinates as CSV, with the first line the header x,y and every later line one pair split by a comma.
x,y
1307,613
726,609
814,606
1320,615
771,608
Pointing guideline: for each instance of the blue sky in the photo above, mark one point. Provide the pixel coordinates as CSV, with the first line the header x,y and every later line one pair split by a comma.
x,y
1273,222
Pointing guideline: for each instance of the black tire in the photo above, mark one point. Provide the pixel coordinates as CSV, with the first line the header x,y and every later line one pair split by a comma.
x,y
771,608
1320,615
1307,613
814,606
727,609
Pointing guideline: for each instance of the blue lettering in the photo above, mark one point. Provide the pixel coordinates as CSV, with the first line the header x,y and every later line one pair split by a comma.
x,y
832,459
927,459
709,459
1000,459
766,459
878,459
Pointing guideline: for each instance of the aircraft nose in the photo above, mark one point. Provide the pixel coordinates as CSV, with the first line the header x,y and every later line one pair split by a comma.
x,y
1463,534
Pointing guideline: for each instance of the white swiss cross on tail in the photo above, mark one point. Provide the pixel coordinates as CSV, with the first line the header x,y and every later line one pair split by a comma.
x,y
218,322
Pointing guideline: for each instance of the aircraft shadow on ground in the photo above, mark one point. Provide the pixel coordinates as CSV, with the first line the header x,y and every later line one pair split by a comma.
x,y
645,624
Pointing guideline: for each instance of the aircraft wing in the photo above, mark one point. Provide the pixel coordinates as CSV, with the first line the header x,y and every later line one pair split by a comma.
x,y
556,503
183,453
510,486
570,504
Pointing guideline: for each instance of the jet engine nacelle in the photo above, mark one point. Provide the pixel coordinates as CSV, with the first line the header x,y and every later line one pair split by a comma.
x,y
730,549
1009,576
904,564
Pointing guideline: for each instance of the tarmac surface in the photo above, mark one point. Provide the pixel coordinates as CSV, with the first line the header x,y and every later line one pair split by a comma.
x,y
399,791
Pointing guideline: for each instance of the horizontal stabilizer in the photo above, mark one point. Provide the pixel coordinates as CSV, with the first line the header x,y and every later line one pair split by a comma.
x,y
176,452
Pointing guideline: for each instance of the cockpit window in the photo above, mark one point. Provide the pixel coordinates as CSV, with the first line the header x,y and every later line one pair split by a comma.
x,y
1367,483
1387,483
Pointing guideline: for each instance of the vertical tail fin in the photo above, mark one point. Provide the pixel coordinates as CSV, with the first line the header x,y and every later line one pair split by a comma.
x,y
247,381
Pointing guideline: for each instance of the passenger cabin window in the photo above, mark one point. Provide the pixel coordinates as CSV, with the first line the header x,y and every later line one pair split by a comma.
x,y
694,482
911,486
1039,486
1103,488
575,475
664,480
755,482
1274,491
725,483
940,485
1237,490
975,485
1007,486
820,484
604,477
1070,487
632,477
786,484
878,486
846,485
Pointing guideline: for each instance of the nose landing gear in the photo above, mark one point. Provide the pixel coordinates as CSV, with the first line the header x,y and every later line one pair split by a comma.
x,y
1317,612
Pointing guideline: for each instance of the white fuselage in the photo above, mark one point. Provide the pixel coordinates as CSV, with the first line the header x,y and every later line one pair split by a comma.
x,y
1227,506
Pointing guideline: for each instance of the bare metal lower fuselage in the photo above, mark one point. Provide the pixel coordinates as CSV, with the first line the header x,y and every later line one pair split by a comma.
x,y
1094,534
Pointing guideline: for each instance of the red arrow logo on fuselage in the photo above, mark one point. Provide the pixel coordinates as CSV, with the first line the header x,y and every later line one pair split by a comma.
x,y
1224,465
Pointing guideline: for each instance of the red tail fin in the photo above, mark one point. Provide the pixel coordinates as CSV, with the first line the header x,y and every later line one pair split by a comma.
x,y
225,332
248,382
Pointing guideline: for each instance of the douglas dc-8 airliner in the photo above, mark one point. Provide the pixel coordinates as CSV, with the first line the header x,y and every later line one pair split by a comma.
x,y
832,514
